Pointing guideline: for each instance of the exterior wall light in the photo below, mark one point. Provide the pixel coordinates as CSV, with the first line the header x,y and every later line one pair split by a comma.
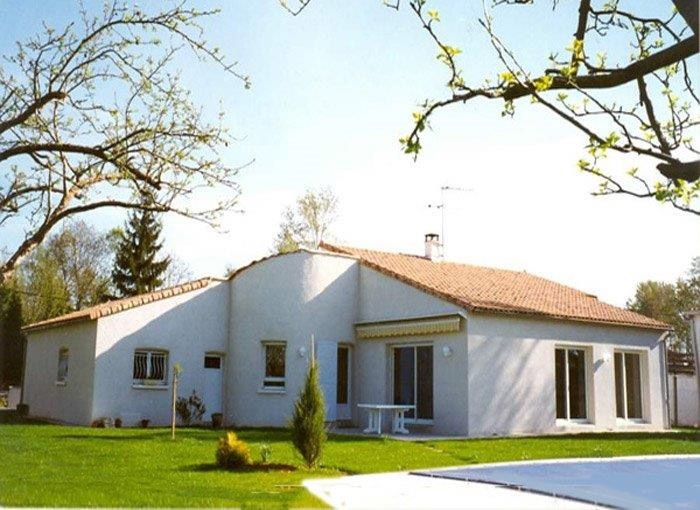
x,y
302,352
447,351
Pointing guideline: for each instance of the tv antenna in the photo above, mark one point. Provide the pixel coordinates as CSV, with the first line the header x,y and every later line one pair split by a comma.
x,y
442,206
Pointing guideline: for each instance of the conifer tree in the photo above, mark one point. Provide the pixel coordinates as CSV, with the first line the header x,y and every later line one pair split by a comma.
x,y
137,268
307,423
11,338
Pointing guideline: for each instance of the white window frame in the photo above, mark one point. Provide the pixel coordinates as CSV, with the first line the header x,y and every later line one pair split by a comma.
x,y
151,383
265,386
62,375
414,420
642,383
586,358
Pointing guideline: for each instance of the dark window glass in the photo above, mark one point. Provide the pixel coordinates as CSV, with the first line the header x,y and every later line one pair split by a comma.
x,y
274,361
341,395
212,361
425,382
633,383
619,386
560,376
404,377
577,384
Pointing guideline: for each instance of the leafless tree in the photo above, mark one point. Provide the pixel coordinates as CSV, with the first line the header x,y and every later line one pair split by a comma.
x,y
94,115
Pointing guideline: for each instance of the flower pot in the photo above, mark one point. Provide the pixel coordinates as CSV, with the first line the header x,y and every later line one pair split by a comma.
x,y
217,420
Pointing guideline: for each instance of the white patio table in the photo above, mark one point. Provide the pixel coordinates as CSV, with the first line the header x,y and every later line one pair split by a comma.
x,y
398,422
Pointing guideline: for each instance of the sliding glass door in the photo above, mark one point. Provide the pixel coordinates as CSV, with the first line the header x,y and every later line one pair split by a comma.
x,y
413,379
628,386
570,375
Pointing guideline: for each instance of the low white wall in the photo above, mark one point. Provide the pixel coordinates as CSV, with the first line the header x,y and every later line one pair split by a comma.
x,y
512,376
187,326
684,391
14,396
72,402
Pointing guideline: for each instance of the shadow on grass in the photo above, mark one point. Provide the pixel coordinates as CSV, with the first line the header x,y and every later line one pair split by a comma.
x,y
257,467
110,437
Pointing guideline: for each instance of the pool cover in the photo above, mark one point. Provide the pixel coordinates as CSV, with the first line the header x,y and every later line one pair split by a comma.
x,y
654,482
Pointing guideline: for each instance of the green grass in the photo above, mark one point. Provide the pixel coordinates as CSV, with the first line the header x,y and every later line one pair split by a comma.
x,y
49,465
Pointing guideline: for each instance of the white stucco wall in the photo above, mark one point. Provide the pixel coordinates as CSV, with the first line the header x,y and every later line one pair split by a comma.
x,y
512,376
187,326
385,298
70,403
683,389
286,298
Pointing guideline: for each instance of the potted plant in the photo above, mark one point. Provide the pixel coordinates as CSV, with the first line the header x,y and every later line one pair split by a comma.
x,y
144,423
217,420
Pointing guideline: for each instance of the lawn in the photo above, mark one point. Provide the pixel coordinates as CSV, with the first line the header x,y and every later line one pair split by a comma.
x,y
49,465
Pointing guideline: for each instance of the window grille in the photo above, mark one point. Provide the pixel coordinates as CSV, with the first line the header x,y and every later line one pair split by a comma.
x,y
150,367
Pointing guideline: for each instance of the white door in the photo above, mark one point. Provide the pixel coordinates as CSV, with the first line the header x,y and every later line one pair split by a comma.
x,y
212,384
344,383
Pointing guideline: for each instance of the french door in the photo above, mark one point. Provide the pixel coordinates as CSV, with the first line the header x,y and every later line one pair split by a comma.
x,y
628,386
570,374
413,380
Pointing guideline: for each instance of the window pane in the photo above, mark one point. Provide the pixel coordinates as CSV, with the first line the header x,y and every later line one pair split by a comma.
x,y
577,384
560,376
404,374
212,361
140,371
274,361
425,382
633,382
62,365
157,372
341,396
619,386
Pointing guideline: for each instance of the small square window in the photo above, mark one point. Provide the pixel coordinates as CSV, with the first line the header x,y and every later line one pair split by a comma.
x,y
275,353
212,361
62,374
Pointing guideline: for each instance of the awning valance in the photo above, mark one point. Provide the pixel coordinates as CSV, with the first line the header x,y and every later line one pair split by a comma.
x,y
405,327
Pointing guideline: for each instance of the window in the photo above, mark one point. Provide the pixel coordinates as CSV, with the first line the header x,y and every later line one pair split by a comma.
x,y
413,380
342,387
212,361
570,374
150,368
628,386
275,353
62,374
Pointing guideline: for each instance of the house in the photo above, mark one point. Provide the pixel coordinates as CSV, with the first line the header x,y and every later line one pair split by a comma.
x,y
478,351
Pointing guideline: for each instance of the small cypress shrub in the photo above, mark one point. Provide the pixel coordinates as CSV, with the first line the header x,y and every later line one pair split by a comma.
x,y
307,423
232,453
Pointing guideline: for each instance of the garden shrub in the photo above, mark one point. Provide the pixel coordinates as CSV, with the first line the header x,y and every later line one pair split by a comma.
x,y
307,423
190,408
232,453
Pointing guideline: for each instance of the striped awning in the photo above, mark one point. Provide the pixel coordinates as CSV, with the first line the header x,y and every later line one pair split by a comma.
x,y
406,327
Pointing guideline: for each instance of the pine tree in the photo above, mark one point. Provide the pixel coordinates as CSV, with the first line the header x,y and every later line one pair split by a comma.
x,y
136,268
307,423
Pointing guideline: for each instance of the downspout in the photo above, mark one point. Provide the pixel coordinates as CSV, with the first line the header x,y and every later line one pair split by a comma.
x,y
667,407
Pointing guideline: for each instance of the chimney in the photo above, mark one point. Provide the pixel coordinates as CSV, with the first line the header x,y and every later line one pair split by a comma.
x,y
432,246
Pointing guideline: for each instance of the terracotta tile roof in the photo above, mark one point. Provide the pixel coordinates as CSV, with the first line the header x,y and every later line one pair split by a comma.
x,y
486,289
119,305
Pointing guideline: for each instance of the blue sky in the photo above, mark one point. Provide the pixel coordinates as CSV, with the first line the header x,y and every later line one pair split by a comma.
x,y
333,90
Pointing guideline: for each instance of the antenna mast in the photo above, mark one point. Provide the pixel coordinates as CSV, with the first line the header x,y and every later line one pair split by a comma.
x,y
442,206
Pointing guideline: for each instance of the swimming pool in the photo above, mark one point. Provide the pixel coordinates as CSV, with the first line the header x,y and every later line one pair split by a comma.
x,y
663,482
